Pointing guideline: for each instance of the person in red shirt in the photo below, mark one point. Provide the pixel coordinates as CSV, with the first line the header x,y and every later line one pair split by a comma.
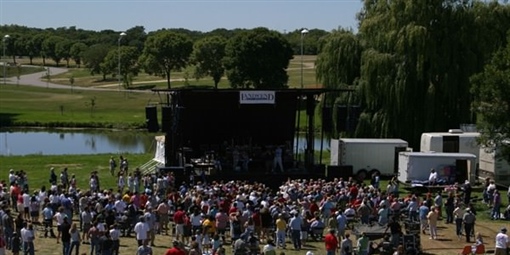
x,y
179,218
176,250
331,242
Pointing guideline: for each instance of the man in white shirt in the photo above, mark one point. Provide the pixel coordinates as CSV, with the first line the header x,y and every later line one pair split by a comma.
x,y
27,237
432,177
141,229
501,242
115,235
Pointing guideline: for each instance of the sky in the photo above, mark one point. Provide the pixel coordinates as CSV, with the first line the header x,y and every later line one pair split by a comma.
x,y
200,15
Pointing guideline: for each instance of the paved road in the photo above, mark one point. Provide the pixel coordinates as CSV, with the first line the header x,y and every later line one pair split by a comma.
x,y
35,80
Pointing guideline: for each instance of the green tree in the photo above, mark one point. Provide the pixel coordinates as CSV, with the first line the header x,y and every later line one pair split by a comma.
x,y
63,50
208,54
37,44
258,58
491,92
94,56
49,47
128,61
77,50
415,65
165,51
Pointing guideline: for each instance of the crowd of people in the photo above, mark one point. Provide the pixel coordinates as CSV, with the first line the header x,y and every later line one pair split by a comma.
x,y
203,218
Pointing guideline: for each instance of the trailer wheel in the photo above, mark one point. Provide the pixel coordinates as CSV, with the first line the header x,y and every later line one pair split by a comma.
x,y
361,175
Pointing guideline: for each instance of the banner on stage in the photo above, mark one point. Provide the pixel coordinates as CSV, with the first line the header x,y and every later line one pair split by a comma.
x,y
257,97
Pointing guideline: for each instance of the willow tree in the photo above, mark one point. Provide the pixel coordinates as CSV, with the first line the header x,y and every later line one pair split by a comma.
x,y
415,70
337,67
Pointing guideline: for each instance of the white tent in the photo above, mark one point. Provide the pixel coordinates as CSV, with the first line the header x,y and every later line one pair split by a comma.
x,y
160,149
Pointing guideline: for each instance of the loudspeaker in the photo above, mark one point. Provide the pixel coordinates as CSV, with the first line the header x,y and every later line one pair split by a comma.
x,y
339,172
310,105
151,118
327,119
341,118
166,118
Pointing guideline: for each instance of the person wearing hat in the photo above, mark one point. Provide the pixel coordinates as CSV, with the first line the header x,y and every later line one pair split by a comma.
x,y
501,242
469,223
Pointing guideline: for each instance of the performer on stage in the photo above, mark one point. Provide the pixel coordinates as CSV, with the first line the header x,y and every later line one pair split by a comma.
x,y
278,159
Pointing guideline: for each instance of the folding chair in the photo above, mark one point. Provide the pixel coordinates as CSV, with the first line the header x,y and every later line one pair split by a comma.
x,y
480,249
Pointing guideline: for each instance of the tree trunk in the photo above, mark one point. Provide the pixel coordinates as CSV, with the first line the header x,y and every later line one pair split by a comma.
x,y
14,59
168,79
43,61
67,63
31,58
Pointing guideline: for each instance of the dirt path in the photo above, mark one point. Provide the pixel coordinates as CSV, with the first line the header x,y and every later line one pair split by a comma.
x,y
448,243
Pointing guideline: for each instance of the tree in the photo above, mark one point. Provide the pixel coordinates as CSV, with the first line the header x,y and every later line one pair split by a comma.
x,y
258,58
165,51
415,65
135,37
94,56
49,47
63,50
77,51
491,92
128,61
37,44
208,54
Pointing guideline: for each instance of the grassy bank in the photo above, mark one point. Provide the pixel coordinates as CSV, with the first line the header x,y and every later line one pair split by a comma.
x,y
35,106
15,71
38,167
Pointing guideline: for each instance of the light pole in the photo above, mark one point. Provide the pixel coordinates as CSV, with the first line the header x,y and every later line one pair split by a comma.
x,y
303,33
118,51
4,40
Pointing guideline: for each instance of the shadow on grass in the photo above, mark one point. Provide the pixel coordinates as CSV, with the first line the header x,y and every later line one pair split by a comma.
x,y
6,119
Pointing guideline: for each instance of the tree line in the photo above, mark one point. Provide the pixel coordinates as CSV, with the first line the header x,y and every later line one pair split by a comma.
x,y
163,51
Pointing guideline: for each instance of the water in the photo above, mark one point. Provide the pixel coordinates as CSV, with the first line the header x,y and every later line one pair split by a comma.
x,y
83,142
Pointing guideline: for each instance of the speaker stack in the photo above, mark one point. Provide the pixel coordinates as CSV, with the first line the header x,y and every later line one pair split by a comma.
x,y
411,240
151,118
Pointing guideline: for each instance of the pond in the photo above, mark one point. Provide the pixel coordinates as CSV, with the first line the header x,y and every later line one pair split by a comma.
x,y
81,142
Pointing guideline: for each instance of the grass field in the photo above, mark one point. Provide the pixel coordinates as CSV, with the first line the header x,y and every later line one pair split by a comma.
x,y
14,71
58,107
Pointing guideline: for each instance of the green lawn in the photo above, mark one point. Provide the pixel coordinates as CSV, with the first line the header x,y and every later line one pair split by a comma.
x,y
64,108
14,71
38,167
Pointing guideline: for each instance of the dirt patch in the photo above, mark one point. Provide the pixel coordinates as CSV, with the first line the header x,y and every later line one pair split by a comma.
x,y
448,243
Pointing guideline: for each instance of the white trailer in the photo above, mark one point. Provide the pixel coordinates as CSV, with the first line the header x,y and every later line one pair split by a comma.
x,y
494,166
452,167
454,141
367,156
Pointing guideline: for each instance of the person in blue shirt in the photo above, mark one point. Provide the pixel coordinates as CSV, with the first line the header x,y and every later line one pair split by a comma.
x,y
423,212
413,209
295,227
47,214
341,222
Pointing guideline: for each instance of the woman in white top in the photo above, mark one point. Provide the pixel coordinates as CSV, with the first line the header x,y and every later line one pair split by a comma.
x,y
75,239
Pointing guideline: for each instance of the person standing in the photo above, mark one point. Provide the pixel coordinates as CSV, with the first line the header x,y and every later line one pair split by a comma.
x,y
496,205
395,231
281,227
295,228
341,224
449,207
458,214
27,237
469,223
142,230
501,242
8,227
113,165
144,249
362,244
432,220
423,212
115,236
346,245
277,161
438,203
75,239
331,242
65,236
